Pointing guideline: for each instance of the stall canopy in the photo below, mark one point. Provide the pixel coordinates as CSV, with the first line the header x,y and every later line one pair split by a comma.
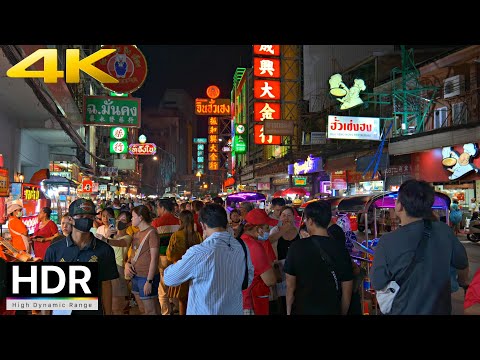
x,y
244,196
295,191
278,194
385,201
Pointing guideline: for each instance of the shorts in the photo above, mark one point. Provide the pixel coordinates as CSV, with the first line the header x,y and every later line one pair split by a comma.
x,y
119,286
138,283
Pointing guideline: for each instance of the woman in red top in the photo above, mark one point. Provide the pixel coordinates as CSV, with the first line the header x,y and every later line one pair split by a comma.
x,y
45,231
256,296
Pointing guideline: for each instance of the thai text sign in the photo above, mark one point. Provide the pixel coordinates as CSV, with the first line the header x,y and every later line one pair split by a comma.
x,y
213,107
311,165
278,127
351,127
30,192
142,149
112,111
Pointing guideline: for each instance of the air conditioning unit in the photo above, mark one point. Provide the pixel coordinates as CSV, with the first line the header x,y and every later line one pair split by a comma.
x,y
453,86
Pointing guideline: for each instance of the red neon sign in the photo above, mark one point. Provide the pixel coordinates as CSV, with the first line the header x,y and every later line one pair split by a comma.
x,y
268,90
142,149
266,67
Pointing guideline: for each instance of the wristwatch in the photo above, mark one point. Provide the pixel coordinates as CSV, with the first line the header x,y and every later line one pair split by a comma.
x,y
150,281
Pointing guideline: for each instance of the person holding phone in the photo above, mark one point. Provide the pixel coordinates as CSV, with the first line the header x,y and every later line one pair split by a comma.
x,y
108,227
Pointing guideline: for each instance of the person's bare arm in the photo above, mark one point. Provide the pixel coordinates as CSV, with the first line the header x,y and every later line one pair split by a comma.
x,y
107,297
347,288
269,277
291,286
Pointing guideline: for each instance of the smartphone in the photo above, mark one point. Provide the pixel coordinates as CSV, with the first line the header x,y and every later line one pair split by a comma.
x,y
112,222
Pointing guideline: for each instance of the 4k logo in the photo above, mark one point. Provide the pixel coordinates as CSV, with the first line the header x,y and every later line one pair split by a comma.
x,y
74,65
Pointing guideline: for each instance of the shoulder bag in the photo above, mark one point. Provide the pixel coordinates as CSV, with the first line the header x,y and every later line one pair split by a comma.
x,y
331,268
137,253
245,278
386,295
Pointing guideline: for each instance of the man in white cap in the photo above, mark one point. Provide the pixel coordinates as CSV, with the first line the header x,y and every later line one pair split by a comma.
x,y
18,230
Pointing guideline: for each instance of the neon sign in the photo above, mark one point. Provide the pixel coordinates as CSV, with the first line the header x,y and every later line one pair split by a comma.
x,y
309,166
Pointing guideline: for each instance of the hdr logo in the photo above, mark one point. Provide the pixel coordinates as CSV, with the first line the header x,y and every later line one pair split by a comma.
x,y
51,286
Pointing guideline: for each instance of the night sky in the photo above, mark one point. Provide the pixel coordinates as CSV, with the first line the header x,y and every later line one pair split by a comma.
x,y
190,67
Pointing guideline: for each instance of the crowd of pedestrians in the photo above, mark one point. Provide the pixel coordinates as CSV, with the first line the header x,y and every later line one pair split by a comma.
x,y
197,258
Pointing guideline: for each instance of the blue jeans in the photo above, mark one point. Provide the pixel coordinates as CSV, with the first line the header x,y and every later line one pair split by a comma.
x,y
138,283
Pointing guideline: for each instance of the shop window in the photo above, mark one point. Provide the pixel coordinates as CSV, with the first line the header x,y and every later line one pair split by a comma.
x,y
459,113
440,118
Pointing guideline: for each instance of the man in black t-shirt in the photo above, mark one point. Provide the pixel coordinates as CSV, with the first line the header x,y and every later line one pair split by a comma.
x,y
318,268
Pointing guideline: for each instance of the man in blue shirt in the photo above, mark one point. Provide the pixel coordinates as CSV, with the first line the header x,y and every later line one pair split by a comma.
x,y
215,268
82,246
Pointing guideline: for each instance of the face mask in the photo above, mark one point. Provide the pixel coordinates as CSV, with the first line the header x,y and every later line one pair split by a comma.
x,y
264,236
122,225
83,224
19,214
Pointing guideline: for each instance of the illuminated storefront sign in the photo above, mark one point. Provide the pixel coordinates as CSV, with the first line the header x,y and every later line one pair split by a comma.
x,y
214,107
112,111
119,133
349,97
353,128
240,139
299,181
213,140
261,139
460,164
4,183
266,50
309,166
30,192
266,89
118,147
265,67
65,174
266,111
142,149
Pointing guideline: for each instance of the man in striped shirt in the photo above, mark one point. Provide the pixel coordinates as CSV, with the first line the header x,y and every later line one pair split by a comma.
x,y
166,224
215,268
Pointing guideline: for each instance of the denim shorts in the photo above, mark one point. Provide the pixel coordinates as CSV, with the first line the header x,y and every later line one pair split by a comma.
x,y
138,283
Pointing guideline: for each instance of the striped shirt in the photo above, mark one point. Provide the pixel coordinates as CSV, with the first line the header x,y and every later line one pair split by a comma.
x,y
216,269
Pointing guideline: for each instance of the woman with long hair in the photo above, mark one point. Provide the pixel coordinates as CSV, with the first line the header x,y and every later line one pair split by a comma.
x,y
142,264
180,242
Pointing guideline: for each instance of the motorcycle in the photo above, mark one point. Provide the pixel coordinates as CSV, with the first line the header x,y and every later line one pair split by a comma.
x,y
473,232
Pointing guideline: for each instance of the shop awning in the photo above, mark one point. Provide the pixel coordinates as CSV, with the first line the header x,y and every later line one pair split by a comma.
x,y
59,180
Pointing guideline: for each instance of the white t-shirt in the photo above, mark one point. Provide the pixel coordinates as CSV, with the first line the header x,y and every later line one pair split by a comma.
x,y
473,206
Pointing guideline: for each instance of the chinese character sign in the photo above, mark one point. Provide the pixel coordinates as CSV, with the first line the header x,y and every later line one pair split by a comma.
x,y
266,50
266,89
213,140
265,67
261,139
266,111
112,111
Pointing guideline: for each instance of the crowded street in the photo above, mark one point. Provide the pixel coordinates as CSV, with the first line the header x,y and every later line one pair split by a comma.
x,y
275,180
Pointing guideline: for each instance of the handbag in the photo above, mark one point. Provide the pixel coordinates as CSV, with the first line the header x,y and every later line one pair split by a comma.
x,y
386,295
